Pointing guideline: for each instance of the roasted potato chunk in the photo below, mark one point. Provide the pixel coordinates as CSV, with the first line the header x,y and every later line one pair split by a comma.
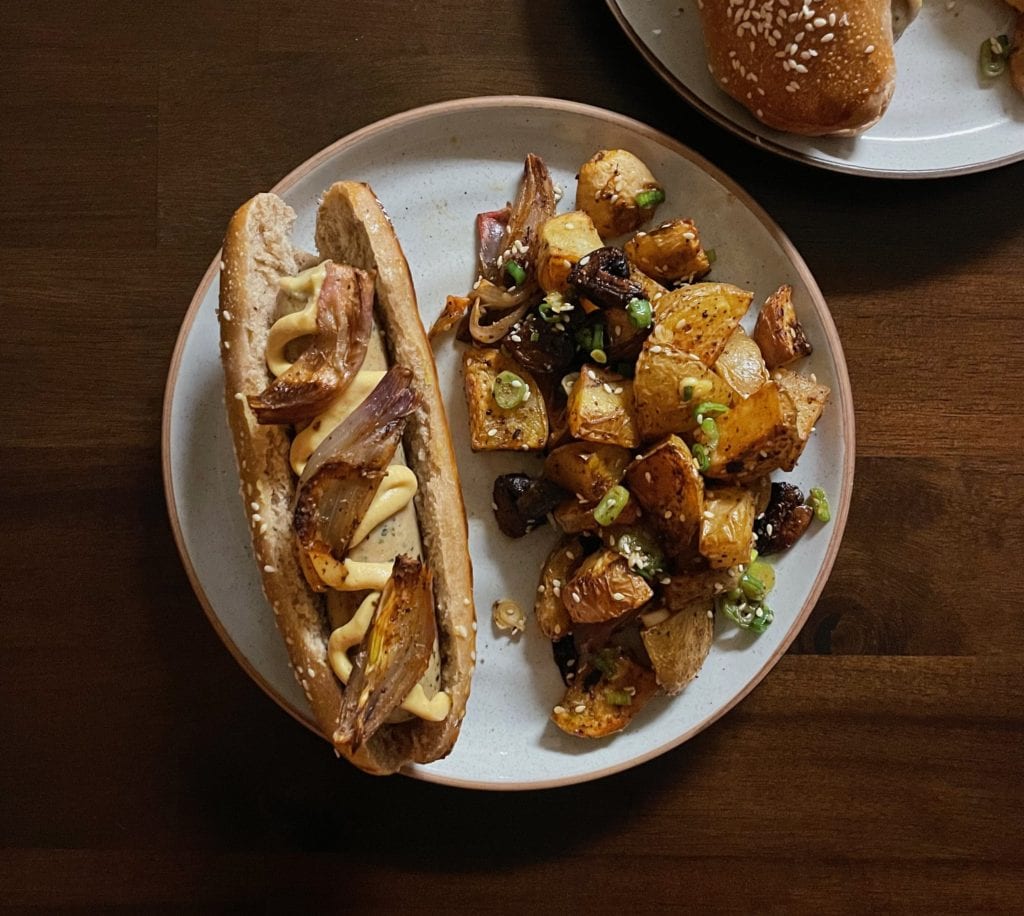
x,y
683,589
587,468
492,427
678,646
741,364
669,253
809,398
778,333
668,485
601,408
562,241
552,617
605,695
755,436
727,526
664,376
701,317
652,290
574,517
604,588
608,186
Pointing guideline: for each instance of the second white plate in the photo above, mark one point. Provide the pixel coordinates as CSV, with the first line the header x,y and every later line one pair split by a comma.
x,y
945,119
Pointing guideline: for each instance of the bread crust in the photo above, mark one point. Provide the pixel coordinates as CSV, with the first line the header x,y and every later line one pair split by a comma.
x,y
824,68
257,252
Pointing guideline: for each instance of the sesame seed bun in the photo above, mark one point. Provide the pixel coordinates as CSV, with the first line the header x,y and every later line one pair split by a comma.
x,y
825,67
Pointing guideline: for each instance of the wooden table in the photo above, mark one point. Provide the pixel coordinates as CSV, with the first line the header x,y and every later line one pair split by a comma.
x,y
877,767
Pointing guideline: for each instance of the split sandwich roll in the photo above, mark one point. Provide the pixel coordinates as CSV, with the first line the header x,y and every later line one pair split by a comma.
x,y
348,476
814,67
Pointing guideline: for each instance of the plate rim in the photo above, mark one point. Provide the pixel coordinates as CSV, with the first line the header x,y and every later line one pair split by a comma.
x,y
843,394
773,146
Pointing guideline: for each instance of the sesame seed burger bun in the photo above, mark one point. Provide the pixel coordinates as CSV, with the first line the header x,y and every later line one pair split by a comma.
x,y
812,67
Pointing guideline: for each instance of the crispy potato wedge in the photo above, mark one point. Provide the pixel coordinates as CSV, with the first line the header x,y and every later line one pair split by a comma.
x,y
809,398
586,468
601,408
664,375
755,436
574,517
603,588
741,364
552,617
492,428
562,241
595,705
666,482
727,526
702,317
778,333
670,252
678,646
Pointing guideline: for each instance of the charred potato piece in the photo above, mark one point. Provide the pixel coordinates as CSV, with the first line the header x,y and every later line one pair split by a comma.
x,y
666,482
574,517
701,318
741,364
587,469
669,253
678,646
762,490
809,398
604,588
778,333
664,375
606,694
552,617
755,436
601,408
784,521
608,186
727,527
492,427
703,585
562,241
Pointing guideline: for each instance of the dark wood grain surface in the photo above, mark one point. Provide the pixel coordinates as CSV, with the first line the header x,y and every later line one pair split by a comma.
x,y
879,766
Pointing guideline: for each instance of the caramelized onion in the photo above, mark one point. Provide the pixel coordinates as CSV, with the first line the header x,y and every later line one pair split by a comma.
x,y
495,331
344,320
490,230
393,655
343,474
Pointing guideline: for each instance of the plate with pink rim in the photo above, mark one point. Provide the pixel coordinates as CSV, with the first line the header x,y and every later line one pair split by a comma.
x,y
434,168
945,117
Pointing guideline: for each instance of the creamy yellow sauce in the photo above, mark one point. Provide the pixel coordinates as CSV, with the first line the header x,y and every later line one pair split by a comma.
x,y
389,527
433,709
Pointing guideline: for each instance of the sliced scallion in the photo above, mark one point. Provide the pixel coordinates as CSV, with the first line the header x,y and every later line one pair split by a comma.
x,y
649,198
509,390
611,505
515,272
640,315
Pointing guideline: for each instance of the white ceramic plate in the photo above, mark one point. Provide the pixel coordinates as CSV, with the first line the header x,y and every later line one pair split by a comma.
x,y
944,118
434,168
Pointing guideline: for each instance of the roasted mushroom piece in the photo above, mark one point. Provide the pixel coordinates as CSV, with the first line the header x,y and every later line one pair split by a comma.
x,y
784,521
521,502
603,277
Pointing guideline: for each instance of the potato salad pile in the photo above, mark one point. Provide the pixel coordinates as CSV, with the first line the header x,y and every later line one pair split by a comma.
x,y
659,419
